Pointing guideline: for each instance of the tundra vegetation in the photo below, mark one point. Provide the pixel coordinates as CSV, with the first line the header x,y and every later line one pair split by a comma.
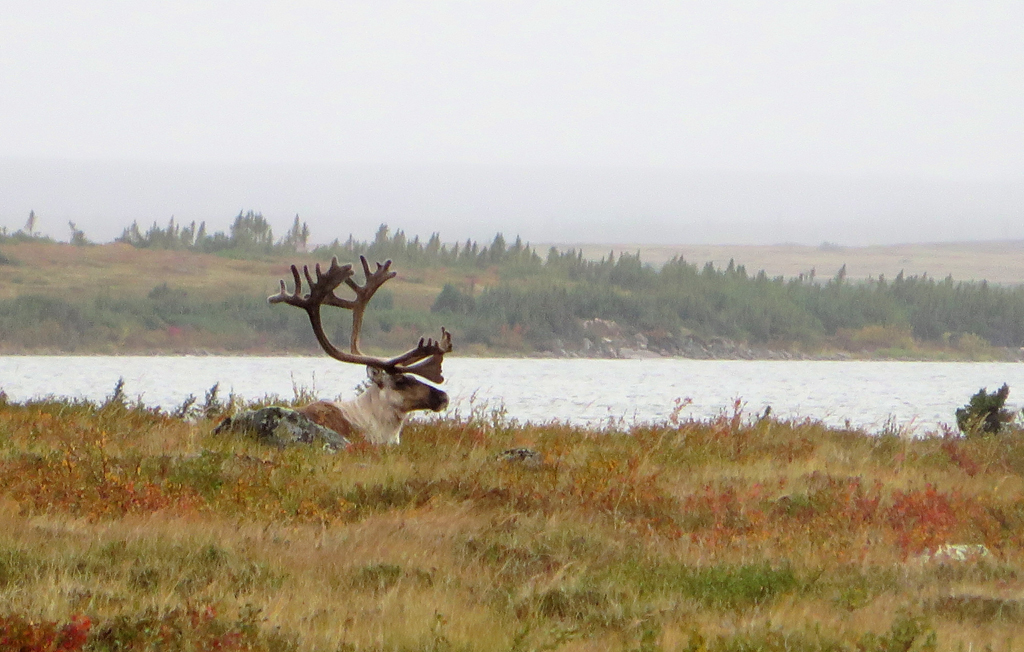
x,y
179,288
129,528
985,412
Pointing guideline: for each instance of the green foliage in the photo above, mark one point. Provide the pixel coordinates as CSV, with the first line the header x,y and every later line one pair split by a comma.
x,y
906,634
377,577
984,413
398,247
713,302
451,300
297,237
250,235
583,605
533,303
203,473
27,233
164,316
725,586
78,238
184,630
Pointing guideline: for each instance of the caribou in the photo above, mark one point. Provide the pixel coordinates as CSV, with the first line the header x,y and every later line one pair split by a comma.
x,y
393,390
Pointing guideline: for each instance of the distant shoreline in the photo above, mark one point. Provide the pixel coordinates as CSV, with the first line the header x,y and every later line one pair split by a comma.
x,y
1004,354
995,261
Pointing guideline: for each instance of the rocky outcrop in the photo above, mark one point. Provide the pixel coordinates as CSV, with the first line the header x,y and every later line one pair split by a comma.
x,y
604,338
280,426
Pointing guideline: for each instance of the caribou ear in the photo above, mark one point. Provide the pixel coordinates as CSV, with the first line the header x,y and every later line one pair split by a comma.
x,y
377,376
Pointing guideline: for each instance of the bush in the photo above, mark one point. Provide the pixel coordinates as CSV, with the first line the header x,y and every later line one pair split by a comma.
x,y
984,413
451,300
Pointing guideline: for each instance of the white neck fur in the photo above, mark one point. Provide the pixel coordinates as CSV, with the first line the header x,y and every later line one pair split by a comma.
x,y
376,419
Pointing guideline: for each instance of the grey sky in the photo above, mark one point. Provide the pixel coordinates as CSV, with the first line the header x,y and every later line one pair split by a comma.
x,y
918,92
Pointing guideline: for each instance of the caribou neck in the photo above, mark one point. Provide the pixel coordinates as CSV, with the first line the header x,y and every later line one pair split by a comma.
x,y
379,421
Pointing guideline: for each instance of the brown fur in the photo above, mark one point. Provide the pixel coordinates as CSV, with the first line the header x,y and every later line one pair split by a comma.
x,y
328,415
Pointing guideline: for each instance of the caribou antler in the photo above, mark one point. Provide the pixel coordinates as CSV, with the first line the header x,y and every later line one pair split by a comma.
x,y
423,360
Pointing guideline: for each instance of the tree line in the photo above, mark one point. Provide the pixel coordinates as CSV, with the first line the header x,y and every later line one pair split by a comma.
x,y
681,297
250,233
546,300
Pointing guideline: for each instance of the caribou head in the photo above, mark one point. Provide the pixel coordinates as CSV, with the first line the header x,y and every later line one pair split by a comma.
x,y
394,389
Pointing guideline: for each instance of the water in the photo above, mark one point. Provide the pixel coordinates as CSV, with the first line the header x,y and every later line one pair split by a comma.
x,y
917,396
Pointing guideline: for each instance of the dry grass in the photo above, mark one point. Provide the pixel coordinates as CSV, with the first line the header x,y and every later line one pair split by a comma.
x,y
64,270
996,262
121,269
132,530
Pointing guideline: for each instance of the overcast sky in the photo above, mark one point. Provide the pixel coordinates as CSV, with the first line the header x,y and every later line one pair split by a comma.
x,y
154,100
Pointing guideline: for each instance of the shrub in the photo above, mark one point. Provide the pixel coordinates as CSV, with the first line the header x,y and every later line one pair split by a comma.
x,y
451,300
972,344
19,633
984,413
877,336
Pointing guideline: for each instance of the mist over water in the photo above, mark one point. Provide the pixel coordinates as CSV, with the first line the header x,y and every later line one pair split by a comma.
x,y
606,122
541,203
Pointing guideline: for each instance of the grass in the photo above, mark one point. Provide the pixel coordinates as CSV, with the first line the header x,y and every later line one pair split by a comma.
x,y
997,261
126,528
124,299
119,269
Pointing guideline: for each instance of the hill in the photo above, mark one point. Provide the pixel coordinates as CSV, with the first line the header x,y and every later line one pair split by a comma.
x,y
994,261
502,298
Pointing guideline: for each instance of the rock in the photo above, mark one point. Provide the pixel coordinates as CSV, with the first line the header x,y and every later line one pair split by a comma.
x,y
525,456
603,328
280,426
961,552
637,354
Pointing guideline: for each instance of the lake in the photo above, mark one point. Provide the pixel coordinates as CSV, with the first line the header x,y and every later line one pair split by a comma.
x,y
916,396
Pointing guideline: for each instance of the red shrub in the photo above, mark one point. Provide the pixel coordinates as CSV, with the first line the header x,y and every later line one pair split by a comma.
x,y
19,634
922,518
